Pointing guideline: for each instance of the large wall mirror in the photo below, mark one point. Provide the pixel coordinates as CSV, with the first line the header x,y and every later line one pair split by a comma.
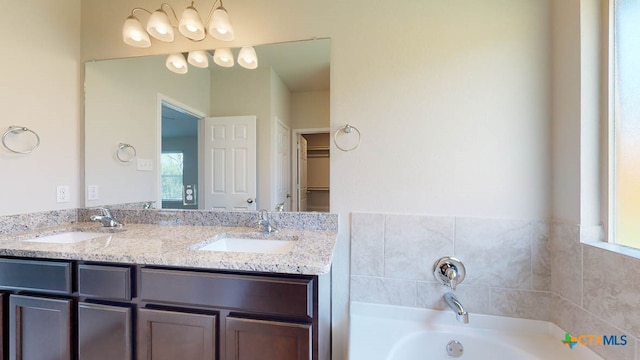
x,y
213,138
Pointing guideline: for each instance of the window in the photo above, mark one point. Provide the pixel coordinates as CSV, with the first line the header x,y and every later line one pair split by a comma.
x,y
625,211
172,175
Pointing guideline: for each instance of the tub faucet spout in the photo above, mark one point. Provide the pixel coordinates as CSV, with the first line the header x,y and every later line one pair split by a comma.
x,y
461,314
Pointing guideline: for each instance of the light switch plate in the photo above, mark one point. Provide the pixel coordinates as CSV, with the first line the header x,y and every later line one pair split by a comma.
x,y
93,192
62,194
145,164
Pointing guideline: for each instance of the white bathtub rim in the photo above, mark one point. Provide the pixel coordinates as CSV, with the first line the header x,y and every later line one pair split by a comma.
x,y
401,321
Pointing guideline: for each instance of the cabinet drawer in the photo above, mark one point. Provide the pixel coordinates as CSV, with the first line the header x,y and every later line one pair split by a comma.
x,y
104,281
36,275
257,294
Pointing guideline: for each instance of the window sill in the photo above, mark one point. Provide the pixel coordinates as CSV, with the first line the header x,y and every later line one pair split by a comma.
x,y
618,249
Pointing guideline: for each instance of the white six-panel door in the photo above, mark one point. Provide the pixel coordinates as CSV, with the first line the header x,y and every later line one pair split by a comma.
x,y
230,163
282,163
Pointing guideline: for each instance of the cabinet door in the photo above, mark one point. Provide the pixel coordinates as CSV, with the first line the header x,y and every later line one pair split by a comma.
x,y
104,332
39,328
249,339
3,299
169,335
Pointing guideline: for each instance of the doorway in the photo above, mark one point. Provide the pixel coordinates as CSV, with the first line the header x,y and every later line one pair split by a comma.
x,y
311,168
178,155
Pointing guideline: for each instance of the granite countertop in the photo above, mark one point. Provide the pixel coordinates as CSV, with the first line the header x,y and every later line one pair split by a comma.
x,y
176,245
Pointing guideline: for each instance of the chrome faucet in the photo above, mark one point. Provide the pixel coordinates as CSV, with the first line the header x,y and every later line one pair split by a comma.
x,y
449,271
264,223
461,314
106,218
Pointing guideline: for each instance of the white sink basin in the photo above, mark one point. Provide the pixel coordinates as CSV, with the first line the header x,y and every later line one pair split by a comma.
x,y
70,237
249,245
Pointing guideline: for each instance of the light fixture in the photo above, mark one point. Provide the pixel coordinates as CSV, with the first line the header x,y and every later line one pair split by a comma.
x,y
198,58
177,63
190,25
247,57
134,34
223,57
220,25
159,26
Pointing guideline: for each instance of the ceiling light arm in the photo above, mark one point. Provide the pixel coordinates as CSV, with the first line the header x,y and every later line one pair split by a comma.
x,y
141,9
175,17
213,8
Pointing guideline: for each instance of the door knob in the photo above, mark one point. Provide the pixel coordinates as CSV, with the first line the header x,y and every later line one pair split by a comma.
x,y
250,200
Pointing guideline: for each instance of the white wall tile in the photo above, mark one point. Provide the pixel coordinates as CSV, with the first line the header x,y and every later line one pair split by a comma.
x,y
521,303
612,288
414,243
495,252
566,265
475,299
383,291
541,257
367,244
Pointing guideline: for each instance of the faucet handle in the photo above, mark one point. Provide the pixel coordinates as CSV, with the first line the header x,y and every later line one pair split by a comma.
x,y
449,271
105,211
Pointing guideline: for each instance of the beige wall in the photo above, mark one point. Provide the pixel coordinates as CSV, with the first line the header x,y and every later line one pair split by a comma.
x,y
41,88
310,109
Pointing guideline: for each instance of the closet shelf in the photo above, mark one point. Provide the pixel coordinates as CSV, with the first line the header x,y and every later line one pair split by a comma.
x,y
318,188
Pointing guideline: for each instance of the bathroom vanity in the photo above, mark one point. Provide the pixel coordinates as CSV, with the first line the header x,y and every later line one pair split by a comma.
x,y
150,293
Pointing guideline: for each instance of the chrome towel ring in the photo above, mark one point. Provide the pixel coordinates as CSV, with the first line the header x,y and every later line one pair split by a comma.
x,y
124,155
347,129
17,130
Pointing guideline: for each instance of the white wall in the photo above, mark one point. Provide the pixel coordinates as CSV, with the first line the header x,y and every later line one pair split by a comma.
x,y
40,72
122,103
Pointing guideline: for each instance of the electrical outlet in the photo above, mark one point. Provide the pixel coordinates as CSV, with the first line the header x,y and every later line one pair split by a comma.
x,y
92,192
145,164
63,194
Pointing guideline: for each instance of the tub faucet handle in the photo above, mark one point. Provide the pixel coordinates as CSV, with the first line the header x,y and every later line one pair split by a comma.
x,y
452,275
449,271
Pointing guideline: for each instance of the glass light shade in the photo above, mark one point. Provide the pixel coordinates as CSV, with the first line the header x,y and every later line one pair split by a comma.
x,y
247,57
133,33
177,63
159,26
223,57
198,58
191,25
220,25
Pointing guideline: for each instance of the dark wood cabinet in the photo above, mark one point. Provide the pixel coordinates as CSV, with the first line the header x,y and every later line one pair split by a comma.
x,y
171,335
59,310
252,339
262,316
104,332
39,328
3,333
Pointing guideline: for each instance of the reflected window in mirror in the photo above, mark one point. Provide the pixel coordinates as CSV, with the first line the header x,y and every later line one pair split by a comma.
x,y
172,174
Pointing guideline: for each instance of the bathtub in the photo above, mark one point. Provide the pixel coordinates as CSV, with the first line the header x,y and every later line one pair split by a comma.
x,y
386,332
